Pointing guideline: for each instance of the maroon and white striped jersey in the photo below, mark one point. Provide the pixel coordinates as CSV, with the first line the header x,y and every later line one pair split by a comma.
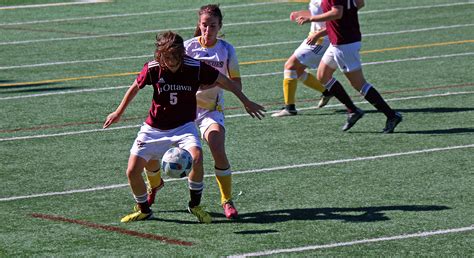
x,y
174,95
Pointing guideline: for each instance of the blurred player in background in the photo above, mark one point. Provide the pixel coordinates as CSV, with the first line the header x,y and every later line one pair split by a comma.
x,y
218,53
175,78
309,54
342,26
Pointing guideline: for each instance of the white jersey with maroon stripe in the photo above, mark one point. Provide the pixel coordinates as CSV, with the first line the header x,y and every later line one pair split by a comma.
x,y
221,56
316,9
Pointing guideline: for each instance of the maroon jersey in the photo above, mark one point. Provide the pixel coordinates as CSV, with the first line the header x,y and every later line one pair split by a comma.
x,y
345,30
174,95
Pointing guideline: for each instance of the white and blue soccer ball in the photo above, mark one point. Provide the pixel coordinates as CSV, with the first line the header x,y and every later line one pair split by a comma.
x,y
177,162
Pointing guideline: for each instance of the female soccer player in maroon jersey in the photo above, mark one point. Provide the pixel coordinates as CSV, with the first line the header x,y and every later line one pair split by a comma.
x,y
342,26
175,78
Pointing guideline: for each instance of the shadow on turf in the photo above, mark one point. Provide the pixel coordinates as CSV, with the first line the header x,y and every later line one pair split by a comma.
x,y
355,215
419,110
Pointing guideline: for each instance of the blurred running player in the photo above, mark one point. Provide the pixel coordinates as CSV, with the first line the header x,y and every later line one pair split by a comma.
x,y
342,26
309,54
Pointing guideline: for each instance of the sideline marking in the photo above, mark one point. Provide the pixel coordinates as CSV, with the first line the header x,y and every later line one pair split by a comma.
x,y
222,7
121,34
14,7
316,164
113,229
88,18
356,242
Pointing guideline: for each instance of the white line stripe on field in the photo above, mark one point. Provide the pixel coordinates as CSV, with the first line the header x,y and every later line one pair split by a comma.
x,y
88,18
228,116
243,76
356,242
237,47
261,170
63,92
133,33
367,35
186,28
51,4
222,7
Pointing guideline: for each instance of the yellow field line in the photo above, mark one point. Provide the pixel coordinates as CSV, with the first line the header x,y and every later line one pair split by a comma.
x,y
242,63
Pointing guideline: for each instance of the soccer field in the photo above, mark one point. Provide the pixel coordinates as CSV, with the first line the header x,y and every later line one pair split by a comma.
x,y
301,185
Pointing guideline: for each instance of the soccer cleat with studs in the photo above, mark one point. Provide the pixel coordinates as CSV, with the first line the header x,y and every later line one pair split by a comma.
x,y
323,101
230,211
352,119
137,216
392,123
201,214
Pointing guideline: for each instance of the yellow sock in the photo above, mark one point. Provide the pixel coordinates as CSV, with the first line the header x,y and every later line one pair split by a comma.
x,y
153,178
224,180
290,82
310,80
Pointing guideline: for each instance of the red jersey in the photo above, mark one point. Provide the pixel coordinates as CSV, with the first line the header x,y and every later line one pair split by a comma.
x,y
174,95
345,30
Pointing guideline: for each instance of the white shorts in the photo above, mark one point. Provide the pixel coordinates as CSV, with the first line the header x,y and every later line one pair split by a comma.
x,y
206,118
310,55
345,57
152,143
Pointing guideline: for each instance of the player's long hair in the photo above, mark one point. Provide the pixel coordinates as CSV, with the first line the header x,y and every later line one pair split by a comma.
x,y
211,10
169,42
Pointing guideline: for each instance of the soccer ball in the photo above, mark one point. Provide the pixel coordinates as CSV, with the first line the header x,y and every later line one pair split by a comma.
x,y
177,162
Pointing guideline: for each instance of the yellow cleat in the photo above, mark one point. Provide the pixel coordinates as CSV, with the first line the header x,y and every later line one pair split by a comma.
x,y
201,214
138,215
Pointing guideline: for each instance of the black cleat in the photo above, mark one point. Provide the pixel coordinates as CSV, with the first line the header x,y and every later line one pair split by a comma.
x,y
352,119
392,123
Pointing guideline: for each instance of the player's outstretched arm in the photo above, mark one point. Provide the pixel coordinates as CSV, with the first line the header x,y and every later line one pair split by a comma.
x,y
254,109
114,117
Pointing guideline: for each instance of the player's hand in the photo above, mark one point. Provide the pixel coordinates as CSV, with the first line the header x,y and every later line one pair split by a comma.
x,y
312,39
302,20
293,16
111,118
255,110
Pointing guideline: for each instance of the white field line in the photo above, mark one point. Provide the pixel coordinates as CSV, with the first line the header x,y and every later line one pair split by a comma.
x,y
237,47
29,137
51,4
261,170
88,18
133,33
243,76
357,242
187,28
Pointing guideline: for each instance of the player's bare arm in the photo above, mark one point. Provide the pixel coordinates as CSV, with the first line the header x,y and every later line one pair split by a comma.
x,y
334,14
114,117
296,14
254,109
